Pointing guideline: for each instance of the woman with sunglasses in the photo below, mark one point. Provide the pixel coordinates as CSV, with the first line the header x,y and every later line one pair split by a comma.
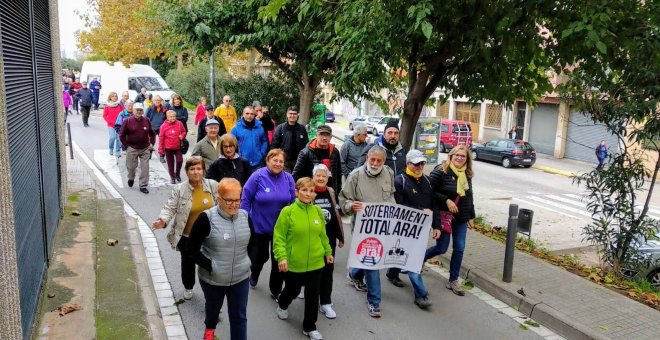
x,y
186,202
219,243
452,182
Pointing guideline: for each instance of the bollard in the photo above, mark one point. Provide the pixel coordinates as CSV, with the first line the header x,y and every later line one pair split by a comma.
x,y
510,243
68,129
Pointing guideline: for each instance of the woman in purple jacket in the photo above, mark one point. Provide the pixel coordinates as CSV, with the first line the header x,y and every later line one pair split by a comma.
x,y
266,192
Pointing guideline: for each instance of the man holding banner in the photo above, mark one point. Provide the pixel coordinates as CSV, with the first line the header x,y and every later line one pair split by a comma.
x,y
371,182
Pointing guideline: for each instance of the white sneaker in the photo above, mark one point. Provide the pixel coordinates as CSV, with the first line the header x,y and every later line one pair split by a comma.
x,y
188,294
314,335
282,314
328,311
301,295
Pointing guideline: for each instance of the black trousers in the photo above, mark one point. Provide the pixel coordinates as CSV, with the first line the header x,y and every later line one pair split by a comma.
x,y
259,255
187,264
325,292
237,299
311,281
85,114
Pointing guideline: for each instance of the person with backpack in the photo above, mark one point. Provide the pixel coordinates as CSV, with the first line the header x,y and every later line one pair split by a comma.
x,y
171,134
413,189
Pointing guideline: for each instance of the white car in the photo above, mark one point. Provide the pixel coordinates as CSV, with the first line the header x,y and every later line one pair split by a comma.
x,y
369,121
379,127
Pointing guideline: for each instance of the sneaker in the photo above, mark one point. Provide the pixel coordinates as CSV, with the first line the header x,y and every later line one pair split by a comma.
x,y
328,311
395,281
301,295
172,181
178,178
358,284
253,283
209,334
423,302
314,335
162,159
282,314
374,311
111,153
455,287
130,183
188,294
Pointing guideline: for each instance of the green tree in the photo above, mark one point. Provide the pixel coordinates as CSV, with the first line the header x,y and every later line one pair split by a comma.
x,y
71,64
295,39
609,54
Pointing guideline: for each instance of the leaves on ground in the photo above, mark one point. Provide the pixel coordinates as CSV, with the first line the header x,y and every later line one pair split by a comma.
x,y
532,323
467,285
50,295
112,242
68,307
75,213
433,261
522,327
179,301
605,328
521,291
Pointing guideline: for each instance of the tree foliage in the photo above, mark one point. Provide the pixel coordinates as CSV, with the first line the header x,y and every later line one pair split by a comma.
x,y
609,53
295,40
122,30
71,64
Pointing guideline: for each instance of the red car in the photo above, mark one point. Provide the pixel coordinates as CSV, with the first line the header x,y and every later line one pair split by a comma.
x,y
454,132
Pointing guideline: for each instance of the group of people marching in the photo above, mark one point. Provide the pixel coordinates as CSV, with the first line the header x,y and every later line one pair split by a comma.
x,y
256,191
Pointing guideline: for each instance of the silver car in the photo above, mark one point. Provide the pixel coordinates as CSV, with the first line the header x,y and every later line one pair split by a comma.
x,y
368,121
652,272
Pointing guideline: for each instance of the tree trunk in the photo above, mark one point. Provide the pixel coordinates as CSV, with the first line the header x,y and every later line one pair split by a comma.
x,y
412,108
307,92
252,58
179,61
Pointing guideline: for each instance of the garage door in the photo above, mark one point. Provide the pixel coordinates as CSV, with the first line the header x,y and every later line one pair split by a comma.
x,y
583,136
543,128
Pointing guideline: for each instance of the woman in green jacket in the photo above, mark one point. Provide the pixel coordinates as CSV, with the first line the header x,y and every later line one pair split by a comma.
x,y
301,248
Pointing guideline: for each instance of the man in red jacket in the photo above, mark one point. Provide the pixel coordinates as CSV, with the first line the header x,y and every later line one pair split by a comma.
x,y
139,138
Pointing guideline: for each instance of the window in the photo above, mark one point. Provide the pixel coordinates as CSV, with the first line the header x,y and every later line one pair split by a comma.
x,y
468,112
502,144
442,110
149,83
444,128
493,116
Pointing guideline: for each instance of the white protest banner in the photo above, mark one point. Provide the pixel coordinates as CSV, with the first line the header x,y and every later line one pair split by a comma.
x,y
389,235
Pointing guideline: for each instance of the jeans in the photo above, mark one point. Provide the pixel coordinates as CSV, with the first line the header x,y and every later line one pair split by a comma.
x,y
415,280
113,142
259,255
312,281
237,299
187,264
458,235
373,283
95,100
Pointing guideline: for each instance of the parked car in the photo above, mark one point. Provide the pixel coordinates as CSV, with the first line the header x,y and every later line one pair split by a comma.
x,y
649,272
454,132
379,127
329,117
508,152
363,120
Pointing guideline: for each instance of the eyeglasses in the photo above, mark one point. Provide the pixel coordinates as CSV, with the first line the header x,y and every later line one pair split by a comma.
x,y
228,146
459,156
231,202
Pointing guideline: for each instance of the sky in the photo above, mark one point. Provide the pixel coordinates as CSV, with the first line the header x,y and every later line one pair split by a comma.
x,y
69,23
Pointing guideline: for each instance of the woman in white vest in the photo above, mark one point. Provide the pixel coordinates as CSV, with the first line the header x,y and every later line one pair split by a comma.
x,y
219,244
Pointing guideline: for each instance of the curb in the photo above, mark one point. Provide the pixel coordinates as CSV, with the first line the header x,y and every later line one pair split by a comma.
x,y
537,310
555,171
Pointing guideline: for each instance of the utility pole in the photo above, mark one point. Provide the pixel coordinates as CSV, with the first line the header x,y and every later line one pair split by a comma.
x,y
212,82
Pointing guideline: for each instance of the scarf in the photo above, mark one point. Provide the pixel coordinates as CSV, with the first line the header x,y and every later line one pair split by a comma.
x,y
412,174
112,104
462,182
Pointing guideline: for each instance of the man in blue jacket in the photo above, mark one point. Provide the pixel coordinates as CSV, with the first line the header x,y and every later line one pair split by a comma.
x,y
84,95
252,142
95,87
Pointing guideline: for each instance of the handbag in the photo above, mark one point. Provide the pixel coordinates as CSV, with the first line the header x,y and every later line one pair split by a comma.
x,y
447,217
184,146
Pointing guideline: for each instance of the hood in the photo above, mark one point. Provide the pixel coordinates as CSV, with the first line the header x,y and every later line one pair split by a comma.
x,y
312,145
381,142
241,122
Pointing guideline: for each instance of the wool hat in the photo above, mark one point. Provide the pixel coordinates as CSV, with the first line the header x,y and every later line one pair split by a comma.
x,y
393,123
212,122
324,129
415,157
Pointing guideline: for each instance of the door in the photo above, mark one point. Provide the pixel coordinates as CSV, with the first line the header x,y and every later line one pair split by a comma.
x,y
520,120
543,128
583,136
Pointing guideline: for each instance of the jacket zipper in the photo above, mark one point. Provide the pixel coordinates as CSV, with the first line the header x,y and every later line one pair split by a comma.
x,y
309,235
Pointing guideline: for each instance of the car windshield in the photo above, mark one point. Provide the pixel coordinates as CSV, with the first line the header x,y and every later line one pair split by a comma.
x,y
374,119
149,83
524,146
386,120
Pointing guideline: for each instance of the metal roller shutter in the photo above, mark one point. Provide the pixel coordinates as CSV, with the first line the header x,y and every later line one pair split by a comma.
x,y
543,128
583,136
23,152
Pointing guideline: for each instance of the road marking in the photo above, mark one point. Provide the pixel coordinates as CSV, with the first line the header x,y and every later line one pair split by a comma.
x,y
158,174
559,205
577,203
544,207
108,164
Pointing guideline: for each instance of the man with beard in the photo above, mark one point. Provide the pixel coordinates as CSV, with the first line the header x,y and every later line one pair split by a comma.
x,y
371,182
291,137
396,155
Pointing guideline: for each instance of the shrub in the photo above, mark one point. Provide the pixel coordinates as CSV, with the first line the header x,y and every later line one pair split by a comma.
x,y
191,82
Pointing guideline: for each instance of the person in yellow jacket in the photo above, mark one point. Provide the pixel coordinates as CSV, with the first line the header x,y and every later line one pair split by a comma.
x,y
227,112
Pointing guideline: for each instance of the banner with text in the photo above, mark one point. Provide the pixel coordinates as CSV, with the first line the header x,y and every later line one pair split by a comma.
x,y
389,235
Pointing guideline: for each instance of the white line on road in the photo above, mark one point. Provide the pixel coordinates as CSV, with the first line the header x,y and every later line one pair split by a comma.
x,y
544,207
559,205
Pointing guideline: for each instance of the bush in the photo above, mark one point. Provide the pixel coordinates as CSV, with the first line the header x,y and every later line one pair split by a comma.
x,y
192,82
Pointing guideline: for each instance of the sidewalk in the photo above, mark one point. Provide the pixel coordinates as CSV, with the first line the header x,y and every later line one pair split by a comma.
x,y
565,167
570,305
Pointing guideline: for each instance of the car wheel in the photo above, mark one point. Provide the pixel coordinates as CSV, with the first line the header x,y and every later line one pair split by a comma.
x,y
375,132
475,155
350,127
654,279
506,162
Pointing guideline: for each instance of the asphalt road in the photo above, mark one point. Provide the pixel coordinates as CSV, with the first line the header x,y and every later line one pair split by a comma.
x,y
451,317
559,207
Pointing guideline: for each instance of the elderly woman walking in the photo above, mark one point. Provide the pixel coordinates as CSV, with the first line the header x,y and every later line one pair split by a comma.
x,y
171,134
267,191
302,251
230,164
186,202
219,243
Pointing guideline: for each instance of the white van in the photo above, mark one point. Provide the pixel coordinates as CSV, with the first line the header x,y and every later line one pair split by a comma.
x,y
119,78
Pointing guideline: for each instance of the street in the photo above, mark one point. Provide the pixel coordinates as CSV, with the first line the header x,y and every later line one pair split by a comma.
x,y
451,317
559,210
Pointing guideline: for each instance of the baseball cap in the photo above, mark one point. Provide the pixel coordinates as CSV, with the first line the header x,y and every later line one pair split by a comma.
x,y
415,156
212,122
324,129
208,107
138,106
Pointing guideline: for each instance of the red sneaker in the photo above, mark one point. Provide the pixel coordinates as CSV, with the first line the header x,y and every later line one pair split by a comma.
x,y
209,334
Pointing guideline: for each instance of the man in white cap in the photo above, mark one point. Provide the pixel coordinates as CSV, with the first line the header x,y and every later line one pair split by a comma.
x,y
208,147
413,189
138,136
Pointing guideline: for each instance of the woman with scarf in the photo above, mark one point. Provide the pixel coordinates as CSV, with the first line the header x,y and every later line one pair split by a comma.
x,y
125,113
452,187
230,164
111,111
181,111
